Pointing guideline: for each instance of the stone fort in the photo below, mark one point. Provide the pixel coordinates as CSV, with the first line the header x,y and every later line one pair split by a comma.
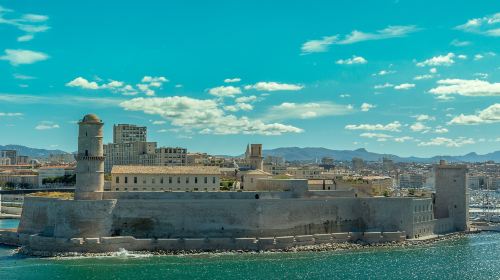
x,y
286,214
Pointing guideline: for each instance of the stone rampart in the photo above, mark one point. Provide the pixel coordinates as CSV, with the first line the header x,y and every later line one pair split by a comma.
x,y
37,243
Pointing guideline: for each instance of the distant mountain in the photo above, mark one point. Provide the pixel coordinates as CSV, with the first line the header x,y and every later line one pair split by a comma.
x,y
31,152
308,154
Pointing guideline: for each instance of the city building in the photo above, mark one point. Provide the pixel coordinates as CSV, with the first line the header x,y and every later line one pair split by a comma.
x,y
253,156
165,178
412,180
11,154
61,158
305,172
127,133
133,153
358,164
169,156
51,172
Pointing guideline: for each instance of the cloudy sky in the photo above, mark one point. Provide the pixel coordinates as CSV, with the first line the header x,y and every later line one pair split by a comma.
x,y
404,77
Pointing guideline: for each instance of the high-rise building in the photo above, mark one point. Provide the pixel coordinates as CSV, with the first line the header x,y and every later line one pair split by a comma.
x,y
127,133
134,153
452,197
357,164
12,154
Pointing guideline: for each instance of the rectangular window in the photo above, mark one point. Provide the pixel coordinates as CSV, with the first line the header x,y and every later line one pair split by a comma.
x,y
206,180
170,180
135,180
117,179
196,180
213,180
178,180
161,180
153,181
187,180
126,179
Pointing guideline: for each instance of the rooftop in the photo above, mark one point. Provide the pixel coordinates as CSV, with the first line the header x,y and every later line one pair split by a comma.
x,y
139,169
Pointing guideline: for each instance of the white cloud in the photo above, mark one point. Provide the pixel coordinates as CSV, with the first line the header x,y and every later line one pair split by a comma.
x,y
458,43
158,122
18,57
246,99
274,86
29,23
404,86
478,57
239,106
488,115
353,60
447,142
440,60
25,38
225,91
321,45
204,116
433,70
423,77
419,127
462,56
381,137
289,110
465,88
345,95
82,83
2,114
384,72
365,107
393,126
440,130
386,85
232,80
403,139
424,117
386,33
23,77
488,25
147,86
481,75
46,125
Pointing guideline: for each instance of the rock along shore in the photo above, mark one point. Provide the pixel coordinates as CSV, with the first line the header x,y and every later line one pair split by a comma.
x,y
343,246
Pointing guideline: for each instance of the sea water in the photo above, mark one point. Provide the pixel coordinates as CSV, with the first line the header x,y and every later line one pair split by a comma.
x,y
474,256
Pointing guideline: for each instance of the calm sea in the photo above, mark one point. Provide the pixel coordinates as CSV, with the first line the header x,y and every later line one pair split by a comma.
x,y
472,257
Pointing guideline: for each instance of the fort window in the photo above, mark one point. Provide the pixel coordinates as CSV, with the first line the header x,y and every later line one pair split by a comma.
x,y
126,179
187,180
196,180
153,181
86,153
170,180
161,181
117,180
206,180
135,180
195,189
213,180
178,180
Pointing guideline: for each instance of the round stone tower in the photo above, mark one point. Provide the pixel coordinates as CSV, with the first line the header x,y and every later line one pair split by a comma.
x,y
90,159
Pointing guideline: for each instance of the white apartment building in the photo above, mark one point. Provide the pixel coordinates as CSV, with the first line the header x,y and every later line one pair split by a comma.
x,y
306,172
165,178
169,156
52,172
135,153
126,133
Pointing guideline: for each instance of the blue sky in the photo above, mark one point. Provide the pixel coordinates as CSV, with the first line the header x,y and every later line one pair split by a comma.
x,y
404,77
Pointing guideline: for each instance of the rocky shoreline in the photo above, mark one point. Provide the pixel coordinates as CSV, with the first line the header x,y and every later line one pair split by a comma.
x,y
344,246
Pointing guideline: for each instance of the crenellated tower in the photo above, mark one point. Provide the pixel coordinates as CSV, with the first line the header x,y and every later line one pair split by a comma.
x,y
90,159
